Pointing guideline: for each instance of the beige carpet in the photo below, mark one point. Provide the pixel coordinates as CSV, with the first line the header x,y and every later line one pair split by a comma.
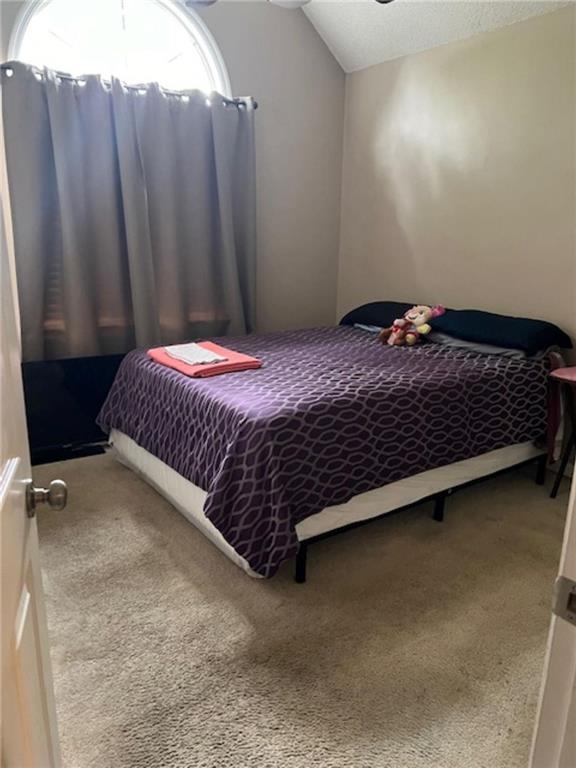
x,y
414,644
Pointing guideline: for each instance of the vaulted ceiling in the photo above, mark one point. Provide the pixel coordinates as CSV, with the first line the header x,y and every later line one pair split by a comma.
x,y
361,33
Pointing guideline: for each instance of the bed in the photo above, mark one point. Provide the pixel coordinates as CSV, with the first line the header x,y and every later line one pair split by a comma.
x,y
333,430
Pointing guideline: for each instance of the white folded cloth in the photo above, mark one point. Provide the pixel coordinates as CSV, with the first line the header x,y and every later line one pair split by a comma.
x,y
193,354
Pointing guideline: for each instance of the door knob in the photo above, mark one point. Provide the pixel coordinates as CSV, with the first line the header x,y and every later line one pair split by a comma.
x,y
55,496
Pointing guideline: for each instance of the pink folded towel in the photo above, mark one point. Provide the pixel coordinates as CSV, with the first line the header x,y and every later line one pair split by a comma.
x,y
235,361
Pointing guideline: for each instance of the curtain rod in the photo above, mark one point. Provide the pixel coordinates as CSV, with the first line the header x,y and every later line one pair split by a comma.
x,y
238,101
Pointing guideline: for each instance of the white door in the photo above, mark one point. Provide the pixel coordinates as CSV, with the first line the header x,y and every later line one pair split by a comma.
x,y
29,735
555,735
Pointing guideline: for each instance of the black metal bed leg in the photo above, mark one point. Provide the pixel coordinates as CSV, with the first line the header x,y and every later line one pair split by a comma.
x,y
541,465
440,506
301,558
570,446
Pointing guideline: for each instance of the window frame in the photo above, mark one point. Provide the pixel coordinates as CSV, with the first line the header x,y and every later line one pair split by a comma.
x,y
200,35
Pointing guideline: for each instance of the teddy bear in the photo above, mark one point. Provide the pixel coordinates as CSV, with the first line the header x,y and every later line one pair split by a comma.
x,y
409,329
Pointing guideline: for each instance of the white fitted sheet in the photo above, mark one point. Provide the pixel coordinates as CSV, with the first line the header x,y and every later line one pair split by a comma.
x,y
189,499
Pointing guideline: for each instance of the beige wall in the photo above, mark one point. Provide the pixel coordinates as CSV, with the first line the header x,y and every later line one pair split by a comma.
x,y
459,175
276,56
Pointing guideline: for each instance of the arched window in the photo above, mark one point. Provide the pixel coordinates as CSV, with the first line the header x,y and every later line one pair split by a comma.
x,y
139,42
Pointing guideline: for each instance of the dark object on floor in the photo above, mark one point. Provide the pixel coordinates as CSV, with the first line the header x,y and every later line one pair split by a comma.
x,y
63,398
439,500
566,377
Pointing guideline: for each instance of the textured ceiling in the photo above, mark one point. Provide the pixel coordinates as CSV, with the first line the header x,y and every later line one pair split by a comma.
x,y
362,32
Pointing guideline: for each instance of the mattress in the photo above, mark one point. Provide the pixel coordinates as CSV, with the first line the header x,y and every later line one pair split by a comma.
x,y
331,415
189,500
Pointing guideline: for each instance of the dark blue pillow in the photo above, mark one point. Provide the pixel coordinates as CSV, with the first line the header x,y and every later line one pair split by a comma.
x,y
531,336
382,313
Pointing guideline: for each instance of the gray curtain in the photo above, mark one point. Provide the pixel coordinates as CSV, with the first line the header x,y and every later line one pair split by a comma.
x,y
133,213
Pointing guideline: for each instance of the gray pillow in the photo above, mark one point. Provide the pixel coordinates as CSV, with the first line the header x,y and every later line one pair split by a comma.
x,y
369,328
484,349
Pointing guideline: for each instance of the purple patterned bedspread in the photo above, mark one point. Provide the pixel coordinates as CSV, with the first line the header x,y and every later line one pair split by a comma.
x,y
332,413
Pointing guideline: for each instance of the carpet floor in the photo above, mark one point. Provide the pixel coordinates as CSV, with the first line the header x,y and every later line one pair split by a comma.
x,y
413,645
